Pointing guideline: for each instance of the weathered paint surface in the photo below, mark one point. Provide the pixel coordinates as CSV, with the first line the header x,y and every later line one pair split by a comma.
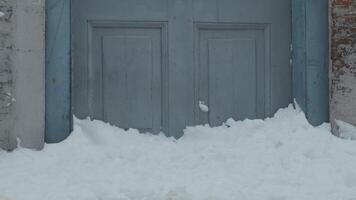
x,y
310,58
299,52
343,62
58,114
6,47
227,37
22,73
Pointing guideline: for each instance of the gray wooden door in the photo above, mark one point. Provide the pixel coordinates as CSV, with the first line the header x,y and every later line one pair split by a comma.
x,y
148,64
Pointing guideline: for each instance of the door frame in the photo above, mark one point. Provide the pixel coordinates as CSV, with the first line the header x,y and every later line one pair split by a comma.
x,y
58,112
310,84
310,45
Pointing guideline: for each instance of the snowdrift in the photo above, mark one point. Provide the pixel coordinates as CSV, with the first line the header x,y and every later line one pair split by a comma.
x,y
281,158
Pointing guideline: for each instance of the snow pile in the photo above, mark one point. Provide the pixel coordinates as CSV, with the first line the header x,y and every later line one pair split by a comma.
x,y
346,130
282,158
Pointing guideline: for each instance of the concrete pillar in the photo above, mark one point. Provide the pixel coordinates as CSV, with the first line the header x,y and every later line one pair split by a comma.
x,y
29,73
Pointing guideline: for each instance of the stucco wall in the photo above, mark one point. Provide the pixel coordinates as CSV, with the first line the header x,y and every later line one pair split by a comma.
x,y
343,62
22,73
6,49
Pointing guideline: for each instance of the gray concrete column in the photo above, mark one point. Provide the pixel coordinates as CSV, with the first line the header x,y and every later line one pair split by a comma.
x,y
29,73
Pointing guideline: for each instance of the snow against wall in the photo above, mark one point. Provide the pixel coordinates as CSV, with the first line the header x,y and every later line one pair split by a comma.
x,y
282,158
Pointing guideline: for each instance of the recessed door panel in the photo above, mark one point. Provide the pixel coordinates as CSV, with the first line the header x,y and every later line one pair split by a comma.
x,y
125,68
128,79
231,71
232,79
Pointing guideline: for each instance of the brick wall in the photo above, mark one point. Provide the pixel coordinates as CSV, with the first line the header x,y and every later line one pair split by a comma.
x,y
343,62
6,49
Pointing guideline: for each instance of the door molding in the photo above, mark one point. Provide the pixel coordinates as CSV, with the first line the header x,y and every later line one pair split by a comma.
x,y
265,27
163,28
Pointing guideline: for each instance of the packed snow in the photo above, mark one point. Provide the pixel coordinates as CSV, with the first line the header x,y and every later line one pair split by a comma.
x,y
281,158
346,130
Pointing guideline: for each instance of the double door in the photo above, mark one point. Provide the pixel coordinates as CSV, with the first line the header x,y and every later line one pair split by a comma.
x,y
162,65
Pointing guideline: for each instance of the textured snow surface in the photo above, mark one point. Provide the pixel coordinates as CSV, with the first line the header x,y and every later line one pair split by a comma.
x,y
282,158
346,130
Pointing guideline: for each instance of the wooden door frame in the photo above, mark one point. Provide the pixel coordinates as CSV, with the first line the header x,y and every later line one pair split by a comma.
x,y
58,119
310,84
310,44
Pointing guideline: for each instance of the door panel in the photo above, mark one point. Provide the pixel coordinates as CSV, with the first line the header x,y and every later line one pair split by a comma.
x,y
125,74
231,66
130,82
276,14
231,71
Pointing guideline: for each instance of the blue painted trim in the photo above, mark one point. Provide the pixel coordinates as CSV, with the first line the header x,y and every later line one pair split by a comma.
x,y
299,52
317,33
58,107
310,58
